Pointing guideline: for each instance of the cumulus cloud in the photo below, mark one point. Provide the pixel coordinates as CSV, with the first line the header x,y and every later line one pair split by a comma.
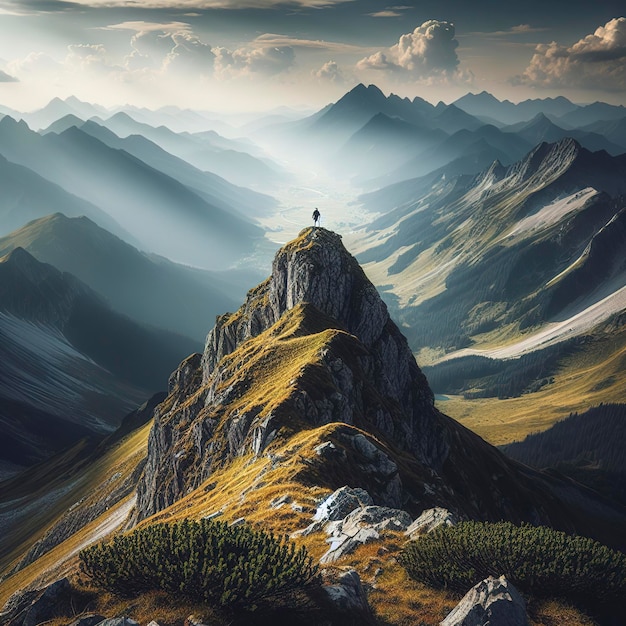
x,y
331,72
597,61
166,47
189,54
7,78
430,50
34,63
268,60
89,57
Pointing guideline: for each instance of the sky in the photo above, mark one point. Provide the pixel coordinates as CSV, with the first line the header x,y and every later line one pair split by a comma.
x,y
247,55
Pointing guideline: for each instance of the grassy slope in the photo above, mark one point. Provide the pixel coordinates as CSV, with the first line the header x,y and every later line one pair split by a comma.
x,y
84,484
245,486
587,378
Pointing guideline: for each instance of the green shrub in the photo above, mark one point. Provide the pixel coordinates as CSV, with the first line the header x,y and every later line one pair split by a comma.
x,y
234,567
536,559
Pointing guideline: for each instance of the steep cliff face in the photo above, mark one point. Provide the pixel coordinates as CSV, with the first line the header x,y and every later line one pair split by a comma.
x,y
311,345
313,350
316,270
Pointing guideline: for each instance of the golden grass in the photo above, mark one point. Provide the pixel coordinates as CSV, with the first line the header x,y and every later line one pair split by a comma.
x,y
552,612
58,562
585,379
94,482
398,600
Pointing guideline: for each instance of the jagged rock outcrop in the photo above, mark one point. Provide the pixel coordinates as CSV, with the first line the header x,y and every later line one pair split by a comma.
x,y
356,368
316,269
32,607
361,526
348,597
313,348
493,601
429,520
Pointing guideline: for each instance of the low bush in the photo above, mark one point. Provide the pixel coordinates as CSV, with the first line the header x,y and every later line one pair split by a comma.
x,y
538,560
224,566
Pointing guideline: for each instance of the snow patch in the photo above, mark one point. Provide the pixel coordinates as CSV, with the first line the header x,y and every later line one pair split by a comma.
x,y
553,213
555,332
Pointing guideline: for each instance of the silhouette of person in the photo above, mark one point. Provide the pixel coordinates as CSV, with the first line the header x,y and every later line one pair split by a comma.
x,y
316,217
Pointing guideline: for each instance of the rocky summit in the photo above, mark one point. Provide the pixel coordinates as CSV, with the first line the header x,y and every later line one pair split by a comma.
x,y
313,350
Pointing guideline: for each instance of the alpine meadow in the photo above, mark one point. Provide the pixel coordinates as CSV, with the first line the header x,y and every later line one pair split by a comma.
x,y
312,311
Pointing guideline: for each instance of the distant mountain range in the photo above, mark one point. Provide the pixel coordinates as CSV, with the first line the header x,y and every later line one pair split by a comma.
x,y
484,105
524,216
208,151
147,288
145,202
70,364
378,140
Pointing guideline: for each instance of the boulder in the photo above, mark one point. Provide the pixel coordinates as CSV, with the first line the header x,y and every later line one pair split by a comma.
x,y
328,450
493,601
119,621
340,503
33,607
348,596
431,519
362,526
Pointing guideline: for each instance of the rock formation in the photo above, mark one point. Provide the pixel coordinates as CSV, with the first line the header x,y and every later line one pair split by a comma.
x,y
314,345
492,601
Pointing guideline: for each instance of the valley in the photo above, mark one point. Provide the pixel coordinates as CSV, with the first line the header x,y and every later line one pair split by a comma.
x,y
179,343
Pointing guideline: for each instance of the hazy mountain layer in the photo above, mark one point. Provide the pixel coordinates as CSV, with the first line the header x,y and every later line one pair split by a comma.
x,y
207,152
149,289
27,196
66,355
145,202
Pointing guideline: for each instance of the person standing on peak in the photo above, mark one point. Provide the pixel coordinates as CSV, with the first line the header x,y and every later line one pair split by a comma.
x,y
316,217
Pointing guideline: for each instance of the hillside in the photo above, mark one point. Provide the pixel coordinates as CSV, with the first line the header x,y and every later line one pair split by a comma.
x,y
309,387
144,287
71,366
142,200
587,446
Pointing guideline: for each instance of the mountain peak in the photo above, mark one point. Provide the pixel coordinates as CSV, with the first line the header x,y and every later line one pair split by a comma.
x,y
312,358
317,269
311,345
18,256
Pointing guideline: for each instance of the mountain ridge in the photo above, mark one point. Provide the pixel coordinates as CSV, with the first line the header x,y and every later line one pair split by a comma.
x,y
334,357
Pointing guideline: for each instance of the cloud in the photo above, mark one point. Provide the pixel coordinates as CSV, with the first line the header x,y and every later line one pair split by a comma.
x,y
597,61
7,78
89,58
430,50
144,27
34,63
166,47
271,39
387,13
188,5
520,29
331,72
189,54
268,60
